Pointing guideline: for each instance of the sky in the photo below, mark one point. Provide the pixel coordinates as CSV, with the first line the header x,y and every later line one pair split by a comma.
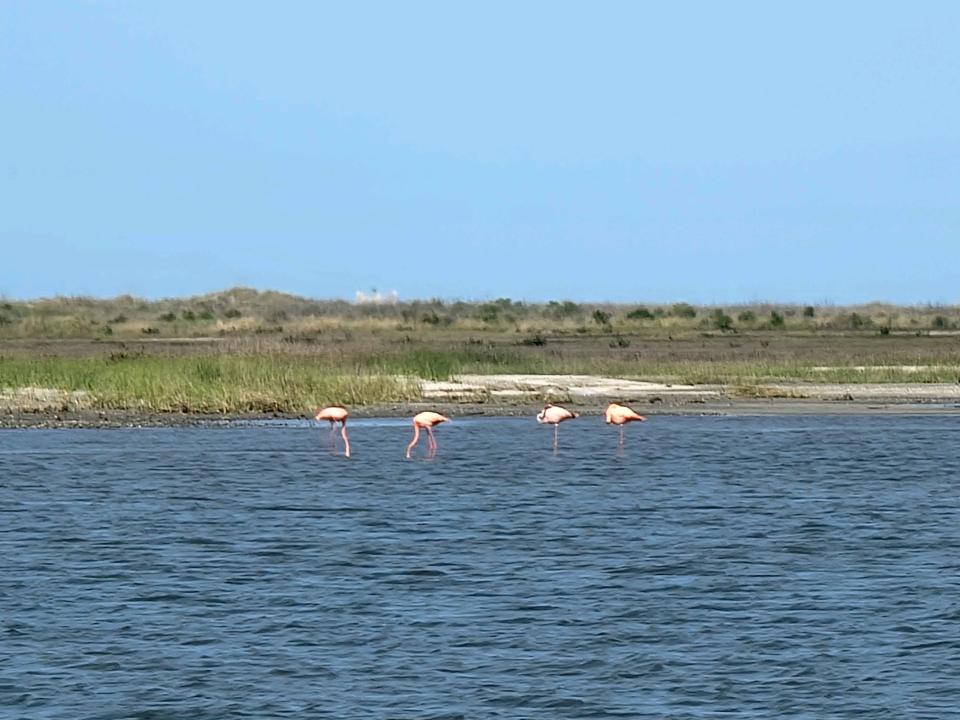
x,y
612,151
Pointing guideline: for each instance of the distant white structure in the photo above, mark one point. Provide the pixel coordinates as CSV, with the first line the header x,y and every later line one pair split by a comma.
x,y
376,298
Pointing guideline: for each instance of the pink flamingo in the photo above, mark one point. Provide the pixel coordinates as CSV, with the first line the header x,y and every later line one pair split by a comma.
x,y
336,414
554,415
426,420
620,415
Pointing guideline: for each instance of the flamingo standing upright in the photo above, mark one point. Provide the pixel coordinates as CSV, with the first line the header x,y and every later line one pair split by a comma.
x,y
336,414
620,415
554,415
426,420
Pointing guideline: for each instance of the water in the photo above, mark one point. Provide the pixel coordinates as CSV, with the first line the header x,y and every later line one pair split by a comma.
x,y
715,567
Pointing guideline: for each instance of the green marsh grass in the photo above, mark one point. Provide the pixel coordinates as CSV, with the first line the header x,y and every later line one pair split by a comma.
x,y
207,384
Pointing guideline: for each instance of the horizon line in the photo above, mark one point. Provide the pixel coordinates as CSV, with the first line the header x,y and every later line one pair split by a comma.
x,y
361,297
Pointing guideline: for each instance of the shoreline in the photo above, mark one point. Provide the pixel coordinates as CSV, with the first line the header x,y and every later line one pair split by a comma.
x,y
521,395
93,419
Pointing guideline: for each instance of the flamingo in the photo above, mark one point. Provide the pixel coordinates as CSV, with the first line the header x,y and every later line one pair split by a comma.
x,y
336,414
620,415
554,415
426,420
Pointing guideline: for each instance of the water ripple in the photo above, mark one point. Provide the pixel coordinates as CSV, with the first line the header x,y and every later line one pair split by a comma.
x,y
715,567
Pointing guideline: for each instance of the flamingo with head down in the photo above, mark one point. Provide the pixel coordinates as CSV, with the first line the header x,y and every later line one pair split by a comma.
x,y
554,415
620,415
336,414
426,420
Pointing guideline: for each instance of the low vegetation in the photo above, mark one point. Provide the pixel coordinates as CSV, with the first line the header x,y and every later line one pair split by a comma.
x,y
241,311
249,351
206,384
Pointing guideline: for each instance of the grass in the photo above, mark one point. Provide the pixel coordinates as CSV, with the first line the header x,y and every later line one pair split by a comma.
x,y
210,384
248,351
290,383
756,373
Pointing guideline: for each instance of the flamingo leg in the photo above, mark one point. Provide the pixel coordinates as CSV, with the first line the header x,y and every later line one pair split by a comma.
x,y
621,436
333,435
432,441
346,441
556,436
416,436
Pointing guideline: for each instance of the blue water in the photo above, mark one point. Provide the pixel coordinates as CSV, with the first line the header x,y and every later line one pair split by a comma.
x,y
712,568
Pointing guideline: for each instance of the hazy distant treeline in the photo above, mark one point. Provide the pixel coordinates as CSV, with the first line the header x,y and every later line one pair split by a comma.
x,y
240,311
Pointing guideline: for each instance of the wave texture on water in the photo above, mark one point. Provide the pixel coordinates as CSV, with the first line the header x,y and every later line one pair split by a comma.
x,y
713,567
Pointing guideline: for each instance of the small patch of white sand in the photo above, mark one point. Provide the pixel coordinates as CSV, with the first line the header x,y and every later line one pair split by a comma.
x,y
37,399
539,387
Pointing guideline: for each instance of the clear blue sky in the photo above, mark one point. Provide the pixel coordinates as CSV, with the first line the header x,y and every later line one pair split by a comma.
x,y
708,152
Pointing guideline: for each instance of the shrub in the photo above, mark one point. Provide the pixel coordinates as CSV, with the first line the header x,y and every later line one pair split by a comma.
x,y
853,321
857,321
489,312
940,322
150,331
640,313
747,316
809,312
720,320
168,317
561,310
189,315
232,313
121,318
600,317
430,318
683,310
776,319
